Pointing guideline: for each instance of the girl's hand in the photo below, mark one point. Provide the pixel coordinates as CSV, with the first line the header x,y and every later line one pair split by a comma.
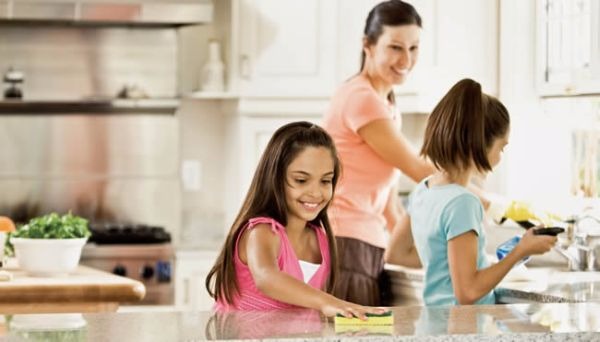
x,y
347,309
531,244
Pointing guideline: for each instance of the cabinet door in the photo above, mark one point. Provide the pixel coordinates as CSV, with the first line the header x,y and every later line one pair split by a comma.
x,y
568,47
286,47
352,16
464,44
190,274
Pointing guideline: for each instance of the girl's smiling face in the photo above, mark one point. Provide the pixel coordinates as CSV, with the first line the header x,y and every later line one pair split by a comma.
x,y
394,54
309,183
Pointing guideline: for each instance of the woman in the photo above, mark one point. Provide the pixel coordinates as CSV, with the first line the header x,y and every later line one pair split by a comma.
x,y
365,127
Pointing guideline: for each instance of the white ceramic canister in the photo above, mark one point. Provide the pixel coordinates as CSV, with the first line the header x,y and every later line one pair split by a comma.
x,y
213,72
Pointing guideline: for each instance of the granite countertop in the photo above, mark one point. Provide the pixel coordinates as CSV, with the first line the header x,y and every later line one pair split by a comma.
x,y
551,285
525,322
528,285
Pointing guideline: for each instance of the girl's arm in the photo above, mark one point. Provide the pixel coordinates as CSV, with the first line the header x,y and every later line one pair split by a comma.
x,y
261,249
401,249
393,210
469,283
393,147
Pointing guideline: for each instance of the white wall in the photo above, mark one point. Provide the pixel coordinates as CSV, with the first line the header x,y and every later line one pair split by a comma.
x,y
537,163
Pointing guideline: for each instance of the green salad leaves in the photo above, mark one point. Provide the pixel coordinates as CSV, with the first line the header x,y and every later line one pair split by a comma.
x,y
54,226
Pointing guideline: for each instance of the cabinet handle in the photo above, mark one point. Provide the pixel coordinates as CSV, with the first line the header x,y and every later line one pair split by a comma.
x,y
245,67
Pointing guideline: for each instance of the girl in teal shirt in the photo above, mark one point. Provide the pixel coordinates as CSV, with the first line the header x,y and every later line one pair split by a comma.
x,y
443,228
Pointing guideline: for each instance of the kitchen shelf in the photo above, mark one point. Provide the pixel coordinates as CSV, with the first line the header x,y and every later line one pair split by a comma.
x,y
142,106
206,95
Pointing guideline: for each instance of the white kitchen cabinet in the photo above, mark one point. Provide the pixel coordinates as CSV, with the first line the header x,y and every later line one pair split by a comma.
x,y
459,40
191,270
305,49
248,137
285,48
568,47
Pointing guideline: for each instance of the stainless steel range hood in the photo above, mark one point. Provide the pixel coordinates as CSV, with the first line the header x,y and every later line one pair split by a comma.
x,y
117,12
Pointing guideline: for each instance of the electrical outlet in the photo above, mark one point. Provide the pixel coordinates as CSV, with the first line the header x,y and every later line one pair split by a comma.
x,y
191,174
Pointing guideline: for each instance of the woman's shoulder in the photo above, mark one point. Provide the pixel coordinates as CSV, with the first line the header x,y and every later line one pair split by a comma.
x,y
357,86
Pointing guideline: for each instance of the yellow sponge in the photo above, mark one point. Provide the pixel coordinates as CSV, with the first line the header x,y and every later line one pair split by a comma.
x,y
385,318
361,330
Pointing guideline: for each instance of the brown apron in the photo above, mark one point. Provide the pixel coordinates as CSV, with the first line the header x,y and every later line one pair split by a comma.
x,y
361,279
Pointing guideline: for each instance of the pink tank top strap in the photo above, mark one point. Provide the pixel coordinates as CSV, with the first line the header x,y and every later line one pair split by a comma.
x,y
276,228
320,277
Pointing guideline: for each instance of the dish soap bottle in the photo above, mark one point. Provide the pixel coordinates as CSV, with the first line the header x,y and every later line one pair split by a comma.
x,y
507,246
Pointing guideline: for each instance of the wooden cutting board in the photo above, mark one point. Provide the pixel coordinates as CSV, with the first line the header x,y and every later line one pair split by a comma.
x,y
85,290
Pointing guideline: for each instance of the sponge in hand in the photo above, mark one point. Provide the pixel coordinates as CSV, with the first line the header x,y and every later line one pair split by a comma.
x,y
385,318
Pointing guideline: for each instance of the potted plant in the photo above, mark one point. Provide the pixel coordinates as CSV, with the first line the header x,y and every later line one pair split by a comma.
x,y
50,245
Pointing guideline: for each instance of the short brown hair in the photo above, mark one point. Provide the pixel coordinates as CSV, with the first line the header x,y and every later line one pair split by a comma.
x,y
462,128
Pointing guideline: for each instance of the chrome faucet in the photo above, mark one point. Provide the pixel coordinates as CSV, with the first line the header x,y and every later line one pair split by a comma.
x,y
578,249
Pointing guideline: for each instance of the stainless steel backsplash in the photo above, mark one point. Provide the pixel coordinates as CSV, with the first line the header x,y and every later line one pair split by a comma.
x,y
120,168
62,62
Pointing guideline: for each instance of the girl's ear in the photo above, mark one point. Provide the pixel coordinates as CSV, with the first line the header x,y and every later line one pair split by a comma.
x,y
366,46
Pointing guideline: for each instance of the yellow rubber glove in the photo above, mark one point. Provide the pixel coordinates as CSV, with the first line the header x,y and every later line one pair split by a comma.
x,y
522,211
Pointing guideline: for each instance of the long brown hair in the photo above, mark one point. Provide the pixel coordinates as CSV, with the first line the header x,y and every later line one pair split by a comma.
x,y
463,127
266,197
387,13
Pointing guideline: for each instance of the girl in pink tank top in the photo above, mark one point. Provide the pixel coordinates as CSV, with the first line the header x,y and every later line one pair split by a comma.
x,y
280,252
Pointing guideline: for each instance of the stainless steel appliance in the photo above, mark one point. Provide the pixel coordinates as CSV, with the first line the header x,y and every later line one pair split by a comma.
x,y
96,132
131,12
71,145
136,251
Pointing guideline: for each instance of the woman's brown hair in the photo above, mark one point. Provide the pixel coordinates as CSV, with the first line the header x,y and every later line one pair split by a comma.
x,y
463,127
266,197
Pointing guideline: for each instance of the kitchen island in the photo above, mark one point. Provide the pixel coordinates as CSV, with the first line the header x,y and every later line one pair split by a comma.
x,y
524,322
85,290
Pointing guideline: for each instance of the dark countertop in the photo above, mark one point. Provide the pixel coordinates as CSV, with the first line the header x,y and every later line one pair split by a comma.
x,y
525,322
100,105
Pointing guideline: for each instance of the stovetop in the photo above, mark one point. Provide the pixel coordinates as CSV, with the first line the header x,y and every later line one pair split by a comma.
x,y
127,233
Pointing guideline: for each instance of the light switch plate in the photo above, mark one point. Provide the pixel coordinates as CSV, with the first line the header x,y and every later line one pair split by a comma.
x,y
191,175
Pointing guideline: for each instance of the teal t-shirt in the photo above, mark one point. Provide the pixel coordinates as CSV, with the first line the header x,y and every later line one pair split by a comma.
x,y
439,214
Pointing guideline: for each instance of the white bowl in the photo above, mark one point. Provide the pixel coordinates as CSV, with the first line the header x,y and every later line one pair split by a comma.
x,y
48,322
48,257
